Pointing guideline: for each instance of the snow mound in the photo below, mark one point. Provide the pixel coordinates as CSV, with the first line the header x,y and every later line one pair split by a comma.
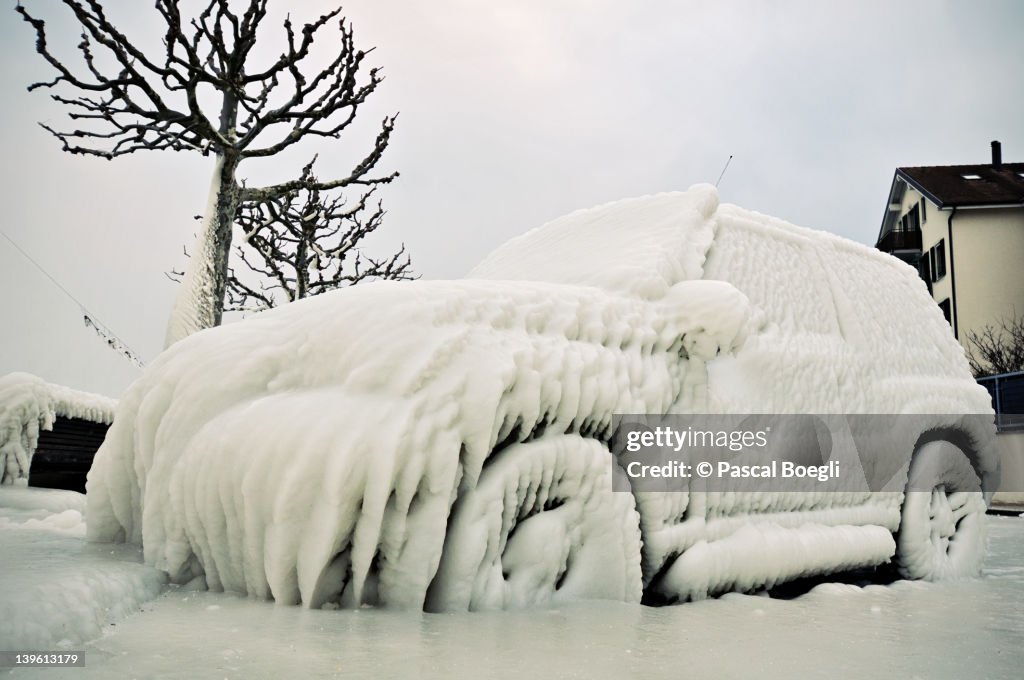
x,y
444,444
29,404
42,502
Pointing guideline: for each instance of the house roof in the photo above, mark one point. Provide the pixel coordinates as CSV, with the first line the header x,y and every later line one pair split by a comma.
x,y
968,185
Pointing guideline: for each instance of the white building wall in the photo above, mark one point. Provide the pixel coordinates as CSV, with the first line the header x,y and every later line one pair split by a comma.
x,y
988,253
989,258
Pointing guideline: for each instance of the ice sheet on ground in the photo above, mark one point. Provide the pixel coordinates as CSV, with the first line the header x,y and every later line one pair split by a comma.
x,y
56,590
946,631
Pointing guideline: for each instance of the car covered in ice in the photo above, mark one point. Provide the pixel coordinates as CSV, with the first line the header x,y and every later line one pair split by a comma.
x,y
447,445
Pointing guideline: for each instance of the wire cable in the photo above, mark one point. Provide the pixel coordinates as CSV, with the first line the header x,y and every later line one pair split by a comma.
x,y
90,319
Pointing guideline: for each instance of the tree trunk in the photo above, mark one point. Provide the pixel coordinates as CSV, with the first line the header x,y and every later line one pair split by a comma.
x,y
200,300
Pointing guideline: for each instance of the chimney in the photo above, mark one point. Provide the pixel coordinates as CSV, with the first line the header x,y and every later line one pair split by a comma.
x,y
997,153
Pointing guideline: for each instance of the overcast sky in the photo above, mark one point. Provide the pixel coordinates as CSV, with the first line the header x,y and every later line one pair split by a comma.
x,y
513,112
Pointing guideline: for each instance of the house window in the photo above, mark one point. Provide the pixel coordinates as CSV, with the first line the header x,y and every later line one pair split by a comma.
x,y
911,221
946,310
924,211
924,269
940,259
937,260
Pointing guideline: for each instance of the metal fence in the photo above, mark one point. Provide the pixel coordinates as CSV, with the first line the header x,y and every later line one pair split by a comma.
x,y
1007,392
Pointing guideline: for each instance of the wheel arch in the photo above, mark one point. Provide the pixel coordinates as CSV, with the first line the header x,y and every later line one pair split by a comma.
x,y
973,445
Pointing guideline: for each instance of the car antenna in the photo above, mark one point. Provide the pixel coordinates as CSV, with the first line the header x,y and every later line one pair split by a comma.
x,y
723,171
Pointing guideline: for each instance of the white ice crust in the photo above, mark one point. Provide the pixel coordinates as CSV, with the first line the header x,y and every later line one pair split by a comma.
x,y
57,592
441,444
29,404
193,305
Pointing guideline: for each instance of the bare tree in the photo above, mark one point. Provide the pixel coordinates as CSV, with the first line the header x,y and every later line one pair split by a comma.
x,y
307,242
997,348
128,100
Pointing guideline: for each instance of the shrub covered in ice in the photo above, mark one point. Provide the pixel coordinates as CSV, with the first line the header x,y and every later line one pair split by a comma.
x,y
29,404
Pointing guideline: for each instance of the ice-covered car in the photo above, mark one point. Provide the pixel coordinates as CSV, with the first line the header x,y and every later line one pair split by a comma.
x,y
446,444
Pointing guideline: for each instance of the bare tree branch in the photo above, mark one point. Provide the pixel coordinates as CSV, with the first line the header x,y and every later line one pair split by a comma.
x,y
122,97
358,176
997,348
305,242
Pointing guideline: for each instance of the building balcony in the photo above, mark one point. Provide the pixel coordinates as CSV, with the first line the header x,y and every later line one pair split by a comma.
x,y
900,240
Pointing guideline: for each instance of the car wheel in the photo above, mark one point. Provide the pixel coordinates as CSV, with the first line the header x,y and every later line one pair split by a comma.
x,y
941,527
543,525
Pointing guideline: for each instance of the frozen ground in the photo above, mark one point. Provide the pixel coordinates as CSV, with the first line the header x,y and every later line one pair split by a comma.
x,y
56,590
906,630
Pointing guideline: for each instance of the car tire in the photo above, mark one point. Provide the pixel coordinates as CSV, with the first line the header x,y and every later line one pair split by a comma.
x,y
546,523
941,534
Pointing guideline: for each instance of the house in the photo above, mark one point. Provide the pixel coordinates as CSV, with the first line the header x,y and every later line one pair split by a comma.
x,y
962,226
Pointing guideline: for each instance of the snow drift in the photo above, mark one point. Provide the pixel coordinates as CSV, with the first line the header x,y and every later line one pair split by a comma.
x,y
29,404
445,444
